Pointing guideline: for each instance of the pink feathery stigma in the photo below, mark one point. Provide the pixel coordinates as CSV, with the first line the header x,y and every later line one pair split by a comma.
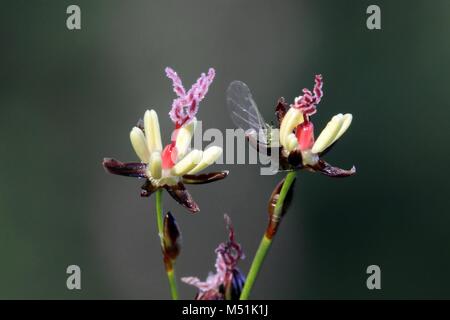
x,y
308,102
176,80
230,251
318,93
228,255
213,281
185,107
307,105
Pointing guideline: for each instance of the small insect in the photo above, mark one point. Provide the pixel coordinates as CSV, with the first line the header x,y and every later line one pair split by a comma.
x,y
245,115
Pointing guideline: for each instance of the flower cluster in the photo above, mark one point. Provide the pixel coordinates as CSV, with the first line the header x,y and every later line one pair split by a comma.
x,y
228,281
175,164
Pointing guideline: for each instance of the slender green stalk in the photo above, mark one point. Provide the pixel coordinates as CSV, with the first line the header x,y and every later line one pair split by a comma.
x,y
256,266
266,242
173,283
290,177
159,213
168,264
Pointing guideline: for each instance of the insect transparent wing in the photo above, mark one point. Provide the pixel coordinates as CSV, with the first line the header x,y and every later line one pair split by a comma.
x,y
244,112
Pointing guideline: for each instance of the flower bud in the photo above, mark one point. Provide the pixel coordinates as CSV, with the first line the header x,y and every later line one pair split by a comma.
x,y
171,237
275,217
233,288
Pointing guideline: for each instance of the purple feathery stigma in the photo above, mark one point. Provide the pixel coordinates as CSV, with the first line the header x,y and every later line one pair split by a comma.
x,y
308,102
185,107
228,255
177,83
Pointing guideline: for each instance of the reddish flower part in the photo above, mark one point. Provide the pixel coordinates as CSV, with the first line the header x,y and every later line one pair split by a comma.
x,y
177,191
305,135
183,197
204,178
228,281
168,155
308,102
129,169
280,110
172,237
328,170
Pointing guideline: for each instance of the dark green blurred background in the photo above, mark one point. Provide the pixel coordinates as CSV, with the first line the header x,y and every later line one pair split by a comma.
x,y
69,98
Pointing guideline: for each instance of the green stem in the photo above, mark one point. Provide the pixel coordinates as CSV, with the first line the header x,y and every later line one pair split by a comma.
x,y
173,283
168,265
290,177
256,266
159,213
266,242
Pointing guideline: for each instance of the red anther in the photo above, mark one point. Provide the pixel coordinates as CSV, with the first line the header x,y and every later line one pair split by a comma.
x,y
169,156
305,135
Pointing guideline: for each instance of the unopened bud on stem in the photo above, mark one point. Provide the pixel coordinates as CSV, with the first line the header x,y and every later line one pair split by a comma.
x,y
171,238
277,211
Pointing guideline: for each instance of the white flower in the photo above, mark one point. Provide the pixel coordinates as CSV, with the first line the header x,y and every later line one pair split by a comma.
x,y
335,128
166,166
172,166
299,149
